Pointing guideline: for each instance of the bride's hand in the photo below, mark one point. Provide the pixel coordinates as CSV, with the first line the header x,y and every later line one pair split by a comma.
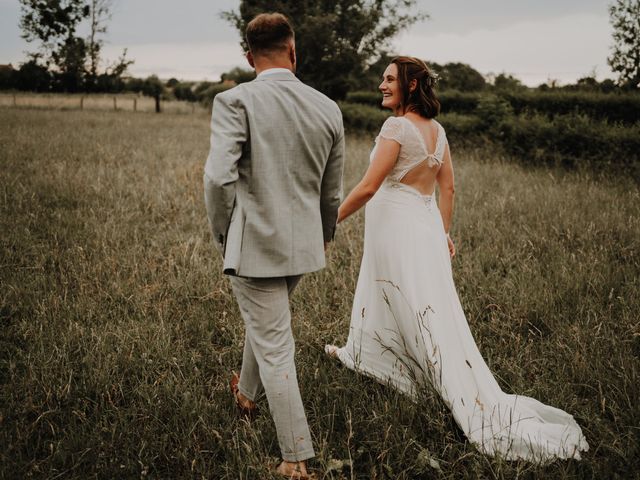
x,y
452,247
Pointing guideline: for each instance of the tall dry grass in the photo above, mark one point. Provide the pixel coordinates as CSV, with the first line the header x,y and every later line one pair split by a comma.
x,y
119,332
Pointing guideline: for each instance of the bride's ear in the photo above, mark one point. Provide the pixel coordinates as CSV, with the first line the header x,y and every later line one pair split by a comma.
x,y
412,85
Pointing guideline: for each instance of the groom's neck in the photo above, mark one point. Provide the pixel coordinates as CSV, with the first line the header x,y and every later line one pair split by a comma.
x,y
268,63
281,59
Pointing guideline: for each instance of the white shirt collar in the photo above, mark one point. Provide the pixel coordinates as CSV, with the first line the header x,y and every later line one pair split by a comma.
x,y
270,71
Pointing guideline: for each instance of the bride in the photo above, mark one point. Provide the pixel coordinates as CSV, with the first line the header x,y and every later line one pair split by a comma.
x,y
407,325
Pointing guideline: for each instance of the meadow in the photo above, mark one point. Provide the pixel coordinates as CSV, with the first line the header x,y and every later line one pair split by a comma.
x,y
94,101
119,332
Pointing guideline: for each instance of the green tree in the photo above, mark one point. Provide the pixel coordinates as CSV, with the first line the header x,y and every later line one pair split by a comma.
x,y
183,91
153,87
33,77
54,23
335,40
7,77
587,83
494,111
507,82
458,76
607,85
100,14
371,77
71,76
624,16
134,85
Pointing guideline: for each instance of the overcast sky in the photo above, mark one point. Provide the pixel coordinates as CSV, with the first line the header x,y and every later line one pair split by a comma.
x,y
534,40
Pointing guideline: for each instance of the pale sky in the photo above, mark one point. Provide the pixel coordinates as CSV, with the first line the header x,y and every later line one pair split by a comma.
x,y
533,40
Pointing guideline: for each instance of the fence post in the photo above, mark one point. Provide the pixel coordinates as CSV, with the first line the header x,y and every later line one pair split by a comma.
x,y
135,104
82,102
15,102
193,107
115,104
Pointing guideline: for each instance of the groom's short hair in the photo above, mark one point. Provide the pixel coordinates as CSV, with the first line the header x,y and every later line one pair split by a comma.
x,y
268,33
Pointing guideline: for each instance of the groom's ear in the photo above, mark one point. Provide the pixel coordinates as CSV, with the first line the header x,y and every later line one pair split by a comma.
x,y
249,57
292,55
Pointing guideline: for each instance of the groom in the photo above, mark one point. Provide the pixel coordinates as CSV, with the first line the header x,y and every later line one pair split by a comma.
x,y
272,188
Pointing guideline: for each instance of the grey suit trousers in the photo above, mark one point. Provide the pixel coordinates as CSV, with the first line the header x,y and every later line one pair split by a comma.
x,y
268,358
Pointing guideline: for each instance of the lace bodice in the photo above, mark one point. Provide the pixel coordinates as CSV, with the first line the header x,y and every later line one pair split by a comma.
x,y
413,150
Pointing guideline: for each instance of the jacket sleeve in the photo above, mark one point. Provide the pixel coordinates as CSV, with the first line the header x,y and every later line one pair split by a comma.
x,y
228,136
331,188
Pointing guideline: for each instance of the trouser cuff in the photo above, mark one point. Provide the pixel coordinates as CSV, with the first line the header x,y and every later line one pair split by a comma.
x,y
247,394
299,456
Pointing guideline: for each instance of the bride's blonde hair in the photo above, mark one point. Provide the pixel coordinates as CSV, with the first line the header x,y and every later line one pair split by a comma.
x,y
423,99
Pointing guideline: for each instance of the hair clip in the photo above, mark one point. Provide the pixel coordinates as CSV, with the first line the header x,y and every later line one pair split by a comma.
x,y
432,78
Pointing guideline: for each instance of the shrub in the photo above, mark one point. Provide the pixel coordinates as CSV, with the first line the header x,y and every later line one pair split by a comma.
x,y
360,117
238,75
8,77
463,130
459,102
613,107
134,85
533,139
33,77
494,110
573,139
450,100
365,97
207,95
106,82
202,86
183,91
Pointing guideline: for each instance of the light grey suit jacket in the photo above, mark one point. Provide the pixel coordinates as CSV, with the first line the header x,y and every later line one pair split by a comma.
x,y
273,178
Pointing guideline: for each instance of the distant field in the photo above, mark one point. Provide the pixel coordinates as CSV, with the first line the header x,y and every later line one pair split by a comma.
x,y
119,333
94,101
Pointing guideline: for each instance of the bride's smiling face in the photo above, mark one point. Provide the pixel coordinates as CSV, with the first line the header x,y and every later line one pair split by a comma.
x,y
390,88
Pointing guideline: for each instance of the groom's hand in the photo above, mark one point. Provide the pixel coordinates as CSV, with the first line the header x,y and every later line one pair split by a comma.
x,y
326,245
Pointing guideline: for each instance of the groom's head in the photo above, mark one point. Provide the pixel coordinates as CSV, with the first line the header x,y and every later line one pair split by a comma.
x,y
271,41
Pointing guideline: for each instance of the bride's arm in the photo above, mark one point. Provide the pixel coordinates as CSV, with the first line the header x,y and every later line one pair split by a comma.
x,y
382,163
447,192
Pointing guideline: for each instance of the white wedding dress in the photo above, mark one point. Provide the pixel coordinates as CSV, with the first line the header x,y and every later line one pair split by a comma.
x,y
408,327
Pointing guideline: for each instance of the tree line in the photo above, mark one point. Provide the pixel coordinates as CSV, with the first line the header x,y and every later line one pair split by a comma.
x,y
343,46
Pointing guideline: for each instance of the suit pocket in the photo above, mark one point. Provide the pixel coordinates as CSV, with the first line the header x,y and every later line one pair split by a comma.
x,y
233,247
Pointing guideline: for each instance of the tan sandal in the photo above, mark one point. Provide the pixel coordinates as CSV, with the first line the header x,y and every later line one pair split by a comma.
x,y
246,412
296,474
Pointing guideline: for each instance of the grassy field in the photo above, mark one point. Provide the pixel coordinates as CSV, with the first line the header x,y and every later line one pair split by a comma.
x,y
94,101
119,332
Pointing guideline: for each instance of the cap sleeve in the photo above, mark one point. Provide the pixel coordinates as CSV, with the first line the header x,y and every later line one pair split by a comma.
x,y
441,144
392,130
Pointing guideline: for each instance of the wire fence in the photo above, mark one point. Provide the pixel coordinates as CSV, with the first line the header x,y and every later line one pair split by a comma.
x,y
96,101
